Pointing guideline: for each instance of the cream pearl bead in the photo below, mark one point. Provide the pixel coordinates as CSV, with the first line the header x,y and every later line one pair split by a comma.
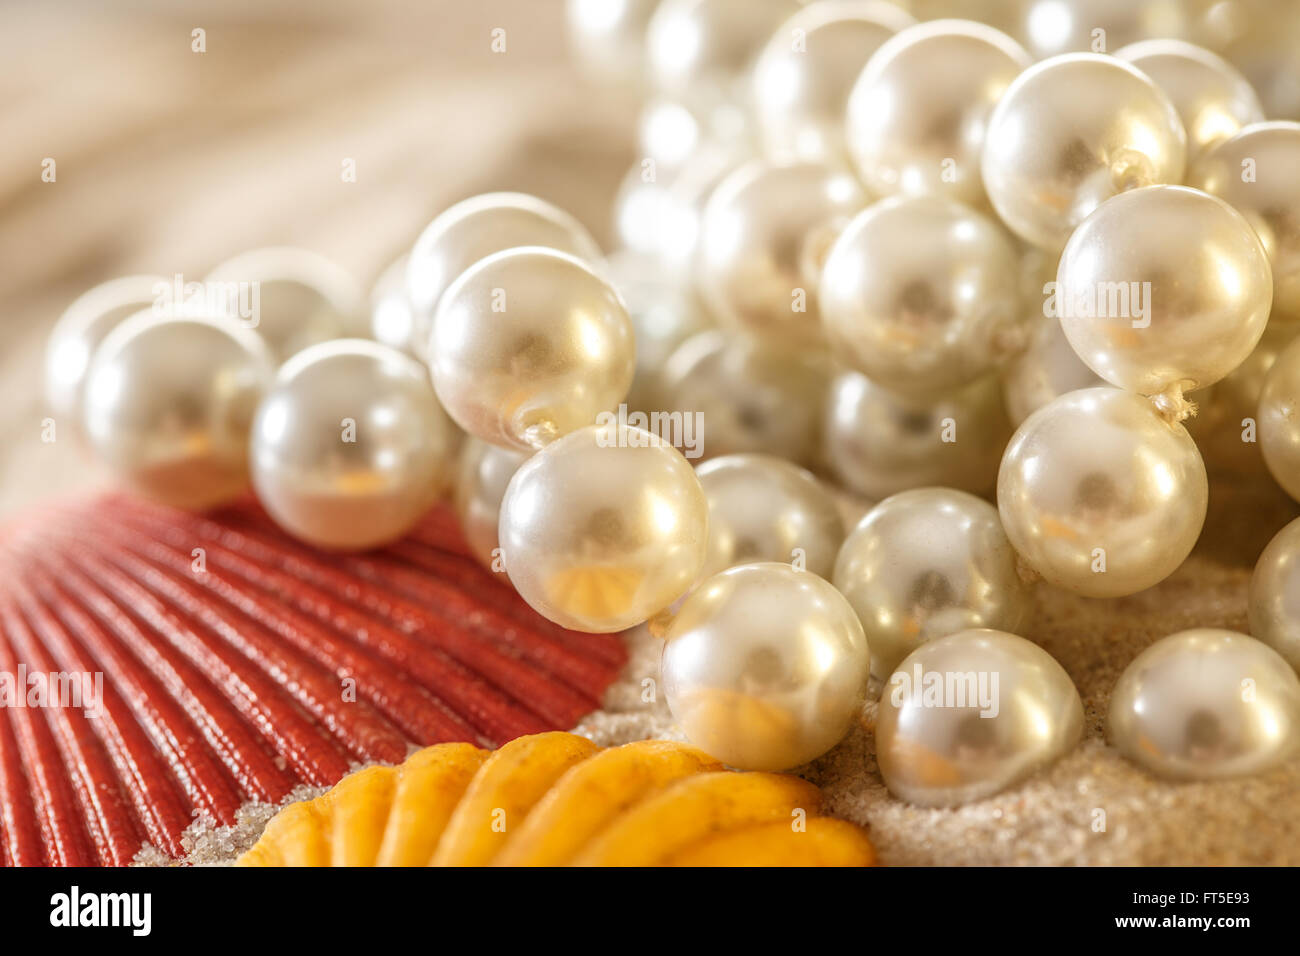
x,y
604,528
608,37
392,316
918,112
302,298
1052,27
482,475
764,236
350,447
947,734
1071,132
878,444
168,402
1046,370
1206,704
1226,424
763,508
749,395
529,344
765,667
1279,420
81,329
1213,100
1100,494
663,314
802,78
1254,172
700,52
926,563
922,295
1275,595
1200,272
474,229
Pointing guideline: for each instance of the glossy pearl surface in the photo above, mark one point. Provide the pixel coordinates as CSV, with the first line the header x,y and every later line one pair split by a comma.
x,y
918,113
878,444
80,329
700,53
1213,100
1046,370
392,316
604,528
1100,495
1163,286
303,298
1052,27
483,473
763,508
765,667
750,396
608,37
1071,132
476,228
1205,704
1275,595
168,402
1254,172
921,294
529,344
803,77
764,237
350,447
926,563
971,714
1279,420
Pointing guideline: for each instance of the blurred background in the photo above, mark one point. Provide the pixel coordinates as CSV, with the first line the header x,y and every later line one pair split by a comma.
x,y
170,160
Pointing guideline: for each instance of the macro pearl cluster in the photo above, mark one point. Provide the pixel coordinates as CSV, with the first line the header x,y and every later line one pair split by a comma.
x,y
942,302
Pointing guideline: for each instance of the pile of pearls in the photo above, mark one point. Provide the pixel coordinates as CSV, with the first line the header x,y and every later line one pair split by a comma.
x,y
887,267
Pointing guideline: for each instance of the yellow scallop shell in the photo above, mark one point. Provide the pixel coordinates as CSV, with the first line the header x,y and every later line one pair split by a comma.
x,y
557,799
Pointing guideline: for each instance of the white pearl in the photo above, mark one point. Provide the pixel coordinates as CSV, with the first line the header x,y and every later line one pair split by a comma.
x,y
1052,27
303,298
918,112
1206,704
1279,420
971,714
476,228
529,344
1275,595
1163,287
700,52
926,563
168,403
608,37
80,329
765,667
921,294
749,396
1100,494
802,78
1046,370
664,314
604,528
392,317
1071,132
1254,172
1213,100
350,447
482,475
1226,424
878,444
764,236
763,508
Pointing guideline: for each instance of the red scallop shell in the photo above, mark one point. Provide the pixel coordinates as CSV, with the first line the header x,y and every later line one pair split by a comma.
x,y
264,665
